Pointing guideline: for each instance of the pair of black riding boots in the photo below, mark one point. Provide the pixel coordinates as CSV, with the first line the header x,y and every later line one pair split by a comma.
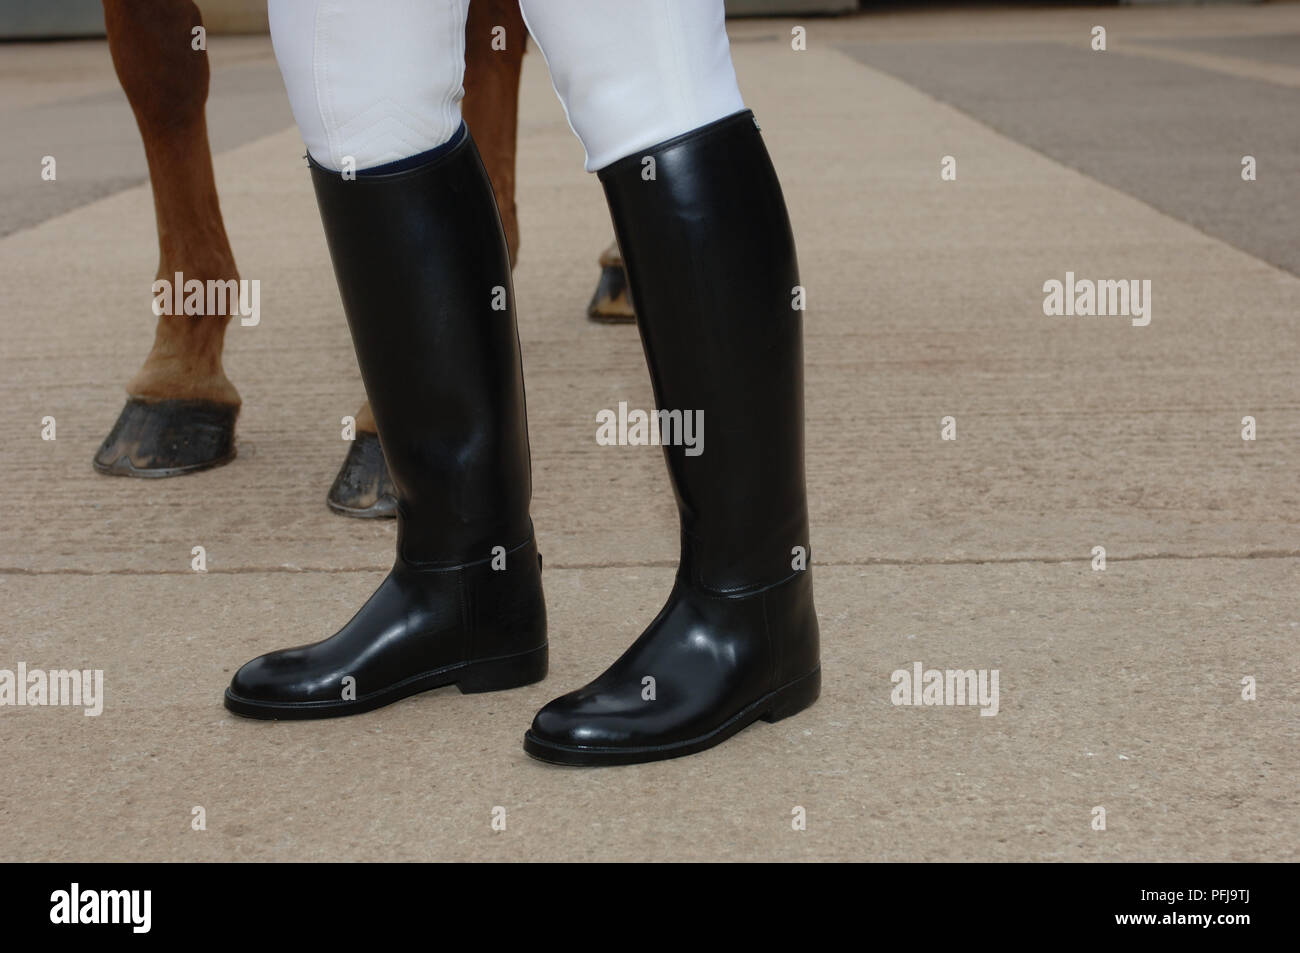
x,y
425,280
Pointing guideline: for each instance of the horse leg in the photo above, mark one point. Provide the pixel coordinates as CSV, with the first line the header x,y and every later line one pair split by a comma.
x,y
612,302
362,487
491,107
181,408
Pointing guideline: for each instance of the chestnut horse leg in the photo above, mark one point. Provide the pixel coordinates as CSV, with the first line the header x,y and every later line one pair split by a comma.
x,y
612,302
491,106
181,408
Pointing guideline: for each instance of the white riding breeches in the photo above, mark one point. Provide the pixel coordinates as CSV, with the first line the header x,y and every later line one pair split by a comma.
x,y
376,81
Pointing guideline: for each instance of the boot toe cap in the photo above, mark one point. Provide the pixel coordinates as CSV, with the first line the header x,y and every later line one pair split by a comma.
x,y
256,681
283,677
571,721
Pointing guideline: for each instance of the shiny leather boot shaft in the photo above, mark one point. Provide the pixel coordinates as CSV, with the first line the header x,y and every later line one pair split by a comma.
x,y
424,275
706,239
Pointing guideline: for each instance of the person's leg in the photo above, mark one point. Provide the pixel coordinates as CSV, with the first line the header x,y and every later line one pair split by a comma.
x,y
632,73
368,84
698,212
424,274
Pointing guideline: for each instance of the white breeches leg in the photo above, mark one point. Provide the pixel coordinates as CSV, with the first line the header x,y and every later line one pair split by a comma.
x,y
376,81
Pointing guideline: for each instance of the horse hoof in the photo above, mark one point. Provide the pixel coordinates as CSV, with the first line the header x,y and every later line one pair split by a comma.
x,y
163,438
363,488
612,303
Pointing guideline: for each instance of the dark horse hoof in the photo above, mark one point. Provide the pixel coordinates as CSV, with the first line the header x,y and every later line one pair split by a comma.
x,y
363,488
163,438
612,302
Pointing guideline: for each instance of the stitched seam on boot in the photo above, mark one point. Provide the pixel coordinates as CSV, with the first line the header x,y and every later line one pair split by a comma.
x,y
749,590
467,647
771,648
419,566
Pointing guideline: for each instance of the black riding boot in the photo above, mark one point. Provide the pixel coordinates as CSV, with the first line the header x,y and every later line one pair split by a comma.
x,y
711,265
424,275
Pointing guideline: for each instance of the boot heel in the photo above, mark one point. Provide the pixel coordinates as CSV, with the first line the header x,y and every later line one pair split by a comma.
x,y
512,671
795,697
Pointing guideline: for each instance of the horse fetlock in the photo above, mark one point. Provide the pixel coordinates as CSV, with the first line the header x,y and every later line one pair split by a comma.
x,y
366,420
185,362
183,377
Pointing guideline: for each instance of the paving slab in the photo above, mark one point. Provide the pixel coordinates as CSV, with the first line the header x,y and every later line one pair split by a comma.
x,y
1116,690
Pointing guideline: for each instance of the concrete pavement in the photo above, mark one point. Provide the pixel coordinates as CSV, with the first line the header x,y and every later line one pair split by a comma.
x,y
1120,688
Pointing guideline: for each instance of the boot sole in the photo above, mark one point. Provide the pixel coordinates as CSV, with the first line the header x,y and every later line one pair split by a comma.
x,y
480,675
788,700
